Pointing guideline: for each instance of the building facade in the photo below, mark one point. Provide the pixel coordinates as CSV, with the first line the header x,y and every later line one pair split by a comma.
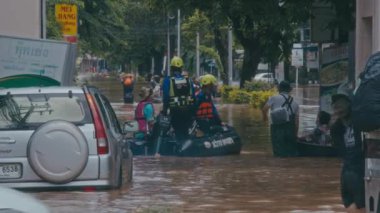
x,y
23,18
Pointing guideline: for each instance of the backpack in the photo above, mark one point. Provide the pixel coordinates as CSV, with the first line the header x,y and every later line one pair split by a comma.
x,y
366,100
181,94
283,114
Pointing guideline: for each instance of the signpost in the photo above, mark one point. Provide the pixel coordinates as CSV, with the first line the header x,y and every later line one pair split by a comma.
x,y
312,57
297,61
67,16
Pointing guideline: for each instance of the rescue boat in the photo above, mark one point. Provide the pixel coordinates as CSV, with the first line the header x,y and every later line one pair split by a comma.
x,y
222,140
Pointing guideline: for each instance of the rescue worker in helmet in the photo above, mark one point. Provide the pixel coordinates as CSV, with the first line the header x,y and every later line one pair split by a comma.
x,y
206,114
178,97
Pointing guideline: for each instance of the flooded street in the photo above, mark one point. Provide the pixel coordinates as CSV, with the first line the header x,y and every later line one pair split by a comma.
x,y
251,182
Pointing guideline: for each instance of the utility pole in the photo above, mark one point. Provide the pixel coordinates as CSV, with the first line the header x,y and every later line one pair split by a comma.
x,y
230,55
168,47
43,19
179,33
152,68
197,56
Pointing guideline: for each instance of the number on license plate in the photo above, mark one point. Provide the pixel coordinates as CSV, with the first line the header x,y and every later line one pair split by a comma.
x,y
10,170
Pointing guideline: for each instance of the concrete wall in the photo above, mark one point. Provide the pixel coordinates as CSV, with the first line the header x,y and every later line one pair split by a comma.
x,y
21,18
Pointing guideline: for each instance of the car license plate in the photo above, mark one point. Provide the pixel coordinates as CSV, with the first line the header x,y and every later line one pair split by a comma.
x,y
10,171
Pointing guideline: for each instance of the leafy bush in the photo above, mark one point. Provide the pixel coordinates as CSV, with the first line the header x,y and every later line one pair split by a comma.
x,y
238,96
257,86
243,96
225,91
259,98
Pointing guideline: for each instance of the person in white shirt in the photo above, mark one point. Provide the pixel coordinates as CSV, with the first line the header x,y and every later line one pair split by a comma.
x,y
284,121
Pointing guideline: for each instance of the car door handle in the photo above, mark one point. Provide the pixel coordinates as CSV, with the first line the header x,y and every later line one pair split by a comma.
x,y
7,141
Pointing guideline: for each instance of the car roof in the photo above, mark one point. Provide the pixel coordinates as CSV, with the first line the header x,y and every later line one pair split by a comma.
x,y
38,90
11,200
263,73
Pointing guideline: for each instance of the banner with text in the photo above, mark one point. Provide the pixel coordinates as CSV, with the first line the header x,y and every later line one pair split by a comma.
x,y
333,74
67,16
23,56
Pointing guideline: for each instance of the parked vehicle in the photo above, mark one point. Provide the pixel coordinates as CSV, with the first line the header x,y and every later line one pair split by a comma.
x,y
61,137
15,201
265,77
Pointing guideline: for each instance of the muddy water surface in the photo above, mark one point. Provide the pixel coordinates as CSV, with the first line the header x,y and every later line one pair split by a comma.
x,y
251,182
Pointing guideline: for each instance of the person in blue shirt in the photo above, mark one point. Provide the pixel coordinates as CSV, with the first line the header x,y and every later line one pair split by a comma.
x,y
178,98
206,114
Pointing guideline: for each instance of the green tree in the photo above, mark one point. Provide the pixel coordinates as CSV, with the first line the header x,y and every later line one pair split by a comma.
x,y
205,17
101,25
146,35
53,29
344,19
262,27
197,23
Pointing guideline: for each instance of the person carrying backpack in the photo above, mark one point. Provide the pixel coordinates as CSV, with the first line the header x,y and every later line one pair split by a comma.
x,y
284,121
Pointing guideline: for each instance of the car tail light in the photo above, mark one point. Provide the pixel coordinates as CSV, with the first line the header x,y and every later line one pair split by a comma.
x,y
100,132
89,189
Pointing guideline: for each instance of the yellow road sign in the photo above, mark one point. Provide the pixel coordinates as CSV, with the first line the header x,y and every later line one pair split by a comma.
x,y
67,16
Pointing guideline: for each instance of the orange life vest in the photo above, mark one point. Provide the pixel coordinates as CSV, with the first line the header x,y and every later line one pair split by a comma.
x,y
128,80
205,110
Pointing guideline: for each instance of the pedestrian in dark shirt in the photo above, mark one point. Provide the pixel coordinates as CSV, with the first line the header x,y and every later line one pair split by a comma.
x,y
350,146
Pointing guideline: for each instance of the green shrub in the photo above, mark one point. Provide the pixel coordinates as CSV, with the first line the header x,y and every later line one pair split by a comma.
x,y
257,99
238,96
225,91
257,86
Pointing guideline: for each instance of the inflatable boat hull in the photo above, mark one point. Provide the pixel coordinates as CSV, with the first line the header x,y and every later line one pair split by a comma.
x,y
223,143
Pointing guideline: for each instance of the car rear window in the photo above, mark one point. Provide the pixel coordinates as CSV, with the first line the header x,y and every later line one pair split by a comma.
x,y
32,110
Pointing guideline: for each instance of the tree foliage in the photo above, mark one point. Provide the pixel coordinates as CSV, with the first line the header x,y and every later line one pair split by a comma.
x,y
262,27
344,19
101,24
126,31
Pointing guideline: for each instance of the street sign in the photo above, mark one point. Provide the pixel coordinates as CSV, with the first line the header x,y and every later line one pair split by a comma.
x,y
312,59
297,57
67,16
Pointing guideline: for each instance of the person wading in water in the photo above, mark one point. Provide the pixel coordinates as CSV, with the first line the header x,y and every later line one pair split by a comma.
x,y
284,121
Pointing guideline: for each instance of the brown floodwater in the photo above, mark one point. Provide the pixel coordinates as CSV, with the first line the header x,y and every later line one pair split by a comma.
x,y
253,181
